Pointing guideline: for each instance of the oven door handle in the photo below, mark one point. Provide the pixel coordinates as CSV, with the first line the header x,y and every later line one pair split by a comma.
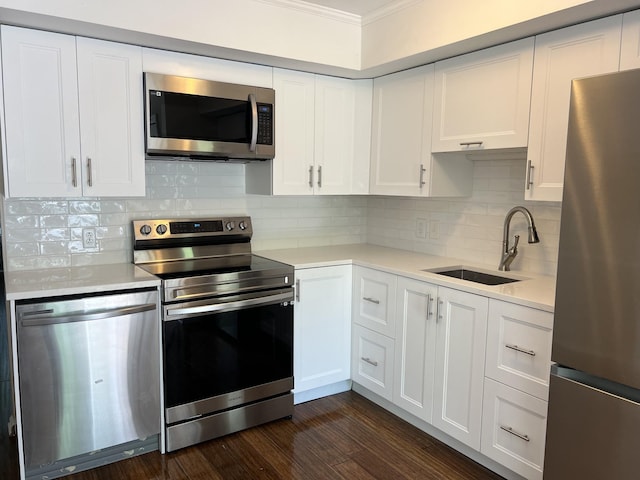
x,y
229,306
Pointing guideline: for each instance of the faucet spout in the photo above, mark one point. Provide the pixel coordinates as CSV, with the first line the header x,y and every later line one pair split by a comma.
x,y
509,253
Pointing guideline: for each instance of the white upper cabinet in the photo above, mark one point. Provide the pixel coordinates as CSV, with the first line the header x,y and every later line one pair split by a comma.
x,y
630,48
401,160
293,166
322,131
401,132
481,100
560,56
73,117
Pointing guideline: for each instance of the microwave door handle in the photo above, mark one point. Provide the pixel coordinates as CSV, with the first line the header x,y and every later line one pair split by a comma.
x,y
254,122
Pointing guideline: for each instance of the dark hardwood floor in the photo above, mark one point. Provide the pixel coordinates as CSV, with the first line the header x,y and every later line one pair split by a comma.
x,y
344,436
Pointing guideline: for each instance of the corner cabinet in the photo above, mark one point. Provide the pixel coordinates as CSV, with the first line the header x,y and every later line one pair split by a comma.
x,y
560,56
322,135
482,99
73,116
401,159
322,330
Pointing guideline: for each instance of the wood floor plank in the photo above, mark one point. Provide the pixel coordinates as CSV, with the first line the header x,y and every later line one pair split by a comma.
x,y
342,437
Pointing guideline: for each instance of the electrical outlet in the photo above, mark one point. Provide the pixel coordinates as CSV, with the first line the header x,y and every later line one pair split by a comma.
x,y
421,228
89,237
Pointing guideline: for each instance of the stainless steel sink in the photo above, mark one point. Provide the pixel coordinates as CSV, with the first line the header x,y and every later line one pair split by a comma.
x,y
473,275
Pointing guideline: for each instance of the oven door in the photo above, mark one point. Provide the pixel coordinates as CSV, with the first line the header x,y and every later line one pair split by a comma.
x,y
227,352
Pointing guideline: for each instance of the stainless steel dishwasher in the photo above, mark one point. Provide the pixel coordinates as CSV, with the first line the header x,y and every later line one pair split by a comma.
x,y
89,373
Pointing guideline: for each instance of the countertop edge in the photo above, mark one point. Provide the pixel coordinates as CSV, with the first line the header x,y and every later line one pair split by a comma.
x,y
535,290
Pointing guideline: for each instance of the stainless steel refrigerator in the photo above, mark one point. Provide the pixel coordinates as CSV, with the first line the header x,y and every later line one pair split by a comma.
x,y
593,427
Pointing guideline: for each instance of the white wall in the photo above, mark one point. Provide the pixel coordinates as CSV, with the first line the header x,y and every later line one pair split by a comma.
x,y
266,28
44,233
291,34
471,228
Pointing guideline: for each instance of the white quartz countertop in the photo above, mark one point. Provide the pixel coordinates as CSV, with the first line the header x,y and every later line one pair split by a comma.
x,y
53,282
533,290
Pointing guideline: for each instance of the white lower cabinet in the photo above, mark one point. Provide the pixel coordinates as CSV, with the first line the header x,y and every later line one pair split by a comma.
x,y
322,327
513,429
459,373
372,361
473,367
415,347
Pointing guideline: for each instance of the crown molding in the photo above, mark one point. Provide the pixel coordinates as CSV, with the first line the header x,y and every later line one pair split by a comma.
x,y
387,10
339,15
313,9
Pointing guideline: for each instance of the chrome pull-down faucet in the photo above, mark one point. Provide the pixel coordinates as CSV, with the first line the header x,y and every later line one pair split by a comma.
x,y
509,253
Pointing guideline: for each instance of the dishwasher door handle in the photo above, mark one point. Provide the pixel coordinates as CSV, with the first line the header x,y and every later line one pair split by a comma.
x,y
46,318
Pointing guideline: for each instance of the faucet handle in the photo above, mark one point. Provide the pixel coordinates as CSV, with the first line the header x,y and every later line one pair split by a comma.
x,y
516,239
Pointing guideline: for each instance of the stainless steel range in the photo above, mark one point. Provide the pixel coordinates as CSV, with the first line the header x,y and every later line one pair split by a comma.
x,y
227,318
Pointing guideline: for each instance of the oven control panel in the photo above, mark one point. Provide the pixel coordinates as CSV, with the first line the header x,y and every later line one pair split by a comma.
x,y
158,229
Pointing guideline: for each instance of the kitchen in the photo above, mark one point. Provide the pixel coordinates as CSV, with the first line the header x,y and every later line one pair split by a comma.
x,y
45,233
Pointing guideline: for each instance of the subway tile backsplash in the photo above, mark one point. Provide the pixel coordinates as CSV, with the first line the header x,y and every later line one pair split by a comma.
x,y
43,233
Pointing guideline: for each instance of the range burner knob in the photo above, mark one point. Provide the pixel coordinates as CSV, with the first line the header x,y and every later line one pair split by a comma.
x,y
161,229
242,225
145,229
230,226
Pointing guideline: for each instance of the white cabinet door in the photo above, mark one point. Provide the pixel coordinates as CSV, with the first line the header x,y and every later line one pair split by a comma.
x,y
111,118
73,115
630,48
415,347
341,108
41,113
294,164
374,300
560,56
481,100
401,132
459,373
322,327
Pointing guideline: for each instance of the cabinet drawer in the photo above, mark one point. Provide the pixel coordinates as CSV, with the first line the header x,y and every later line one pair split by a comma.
x,y
519,347
374,300
372,361
513,429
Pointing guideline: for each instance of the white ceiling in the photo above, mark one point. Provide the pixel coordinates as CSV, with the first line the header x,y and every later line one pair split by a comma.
x,y
356,7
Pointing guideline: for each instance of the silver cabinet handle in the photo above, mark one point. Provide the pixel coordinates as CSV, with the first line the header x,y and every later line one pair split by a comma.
x,y
516,434
429,304
529,180
371,300
440,305
74,172
468,144
254,122
89,172
320,176
311,176
298,290
422,170
369,361
520,349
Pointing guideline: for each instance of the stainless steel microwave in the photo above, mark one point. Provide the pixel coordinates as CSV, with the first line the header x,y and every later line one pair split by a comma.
x,y
206,120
